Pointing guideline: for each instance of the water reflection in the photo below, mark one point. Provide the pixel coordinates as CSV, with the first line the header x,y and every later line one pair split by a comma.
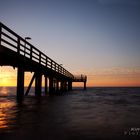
x,y
7,91
89,115
5,113
3,122
3,91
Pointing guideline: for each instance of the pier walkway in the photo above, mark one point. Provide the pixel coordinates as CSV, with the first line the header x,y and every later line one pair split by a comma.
x,y
17,52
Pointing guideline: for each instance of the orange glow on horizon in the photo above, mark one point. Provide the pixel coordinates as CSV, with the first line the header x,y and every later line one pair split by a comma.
x,y
114,81
8,77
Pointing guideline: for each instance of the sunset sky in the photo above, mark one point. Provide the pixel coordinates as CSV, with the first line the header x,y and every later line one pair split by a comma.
x,y
99,38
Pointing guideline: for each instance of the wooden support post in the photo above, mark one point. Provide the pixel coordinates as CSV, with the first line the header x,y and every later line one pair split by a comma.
x,y
69,85
62,86
46,85
66,85
54,85
50,85
85,85
38,84
57,85
29,87
20,82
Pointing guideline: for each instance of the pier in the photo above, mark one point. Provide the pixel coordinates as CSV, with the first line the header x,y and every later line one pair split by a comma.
x,y
17,52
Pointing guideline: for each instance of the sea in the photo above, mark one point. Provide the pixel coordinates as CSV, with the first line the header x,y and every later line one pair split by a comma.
x,y
105,113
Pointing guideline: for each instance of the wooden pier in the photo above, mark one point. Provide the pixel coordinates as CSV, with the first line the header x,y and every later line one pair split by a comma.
x,y
18,52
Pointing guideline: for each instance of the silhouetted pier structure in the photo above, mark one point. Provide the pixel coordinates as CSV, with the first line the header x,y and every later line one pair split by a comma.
x,y
80,78
18,52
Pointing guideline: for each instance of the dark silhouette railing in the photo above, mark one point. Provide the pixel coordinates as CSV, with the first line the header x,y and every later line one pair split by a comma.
x,y
12,41
80,78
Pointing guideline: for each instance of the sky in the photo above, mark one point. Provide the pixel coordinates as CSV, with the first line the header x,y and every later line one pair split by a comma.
x,y
99,38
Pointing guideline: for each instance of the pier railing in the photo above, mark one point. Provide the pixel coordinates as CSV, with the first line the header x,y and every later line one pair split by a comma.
x,y
80,78
19,45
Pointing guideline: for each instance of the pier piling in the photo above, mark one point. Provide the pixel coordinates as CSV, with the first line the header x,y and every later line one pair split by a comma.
x,y
46,85
38,84
20,82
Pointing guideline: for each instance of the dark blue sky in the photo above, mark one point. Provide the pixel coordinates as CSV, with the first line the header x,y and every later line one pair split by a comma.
x,y
84,35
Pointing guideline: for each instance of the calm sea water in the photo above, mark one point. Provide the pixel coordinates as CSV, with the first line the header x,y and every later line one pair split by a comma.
x,y
97,113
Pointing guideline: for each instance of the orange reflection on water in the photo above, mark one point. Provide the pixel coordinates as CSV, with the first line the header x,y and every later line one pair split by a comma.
x,y
3,91
3,122
4,114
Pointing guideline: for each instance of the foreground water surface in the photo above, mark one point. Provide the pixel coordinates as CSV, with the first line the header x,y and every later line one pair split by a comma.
x,y
96,113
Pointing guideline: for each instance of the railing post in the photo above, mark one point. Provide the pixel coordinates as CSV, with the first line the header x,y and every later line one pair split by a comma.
x,y
39,57
18,45
31,51
58,68
55,66
46,62
61,70
51,64
0,32
64,71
